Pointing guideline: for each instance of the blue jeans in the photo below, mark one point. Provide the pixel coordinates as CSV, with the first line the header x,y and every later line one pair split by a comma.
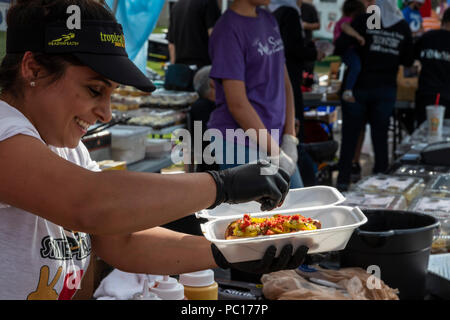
x,y
353,62
375,106
243,154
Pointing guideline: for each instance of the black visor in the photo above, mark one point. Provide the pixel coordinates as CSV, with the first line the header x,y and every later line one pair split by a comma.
x,y
98,44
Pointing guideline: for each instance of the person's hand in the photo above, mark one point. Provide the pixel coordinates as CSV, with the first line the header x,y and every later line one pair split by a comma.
x,y
361,40
283,161
289,145
268,263
261,182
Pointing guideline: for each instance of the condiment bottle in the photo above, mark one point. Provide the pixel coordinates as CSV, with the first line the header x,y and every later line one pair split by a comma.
x,y
168,288
200,285
146,294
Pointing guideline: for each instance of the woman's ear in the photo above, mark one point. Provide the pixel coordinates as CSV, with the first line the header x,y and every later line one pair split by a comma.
x,y
30,69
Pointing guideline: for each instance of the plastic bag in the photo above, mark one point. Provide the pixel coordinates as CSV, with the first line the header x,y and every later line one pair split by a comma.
x,y
344,284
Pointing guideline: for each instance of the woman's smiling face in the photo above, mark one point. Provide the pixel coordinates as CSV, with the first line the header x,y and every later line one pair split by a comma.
x,y
63,111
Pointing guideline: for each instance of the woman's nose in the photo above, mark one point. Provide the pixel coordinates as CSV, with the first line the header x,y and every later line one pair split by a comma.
x,y
103,111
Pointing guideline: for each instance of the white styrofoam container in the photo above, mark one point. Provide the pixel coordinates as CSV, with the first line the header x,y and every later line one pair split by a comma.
x,y
301,198
338,224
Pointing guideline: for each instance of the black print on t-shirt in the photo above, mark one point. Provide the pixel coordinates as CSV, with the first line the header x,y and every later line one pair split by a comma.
x,y
66,248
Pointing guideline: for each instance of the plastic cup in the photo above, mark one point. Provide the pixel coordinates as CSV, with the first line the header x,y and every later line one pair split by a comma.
x,y
435,118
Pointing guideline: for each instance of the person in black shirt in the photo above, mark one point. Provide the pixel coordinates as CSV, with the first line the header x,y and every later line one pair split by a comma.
x,y
191,23
296,51
433,52
376,88
311,22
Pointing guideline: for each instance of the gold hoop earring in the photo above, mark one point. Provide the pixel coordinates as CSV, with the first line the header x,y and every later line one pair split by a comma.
x,y
32,83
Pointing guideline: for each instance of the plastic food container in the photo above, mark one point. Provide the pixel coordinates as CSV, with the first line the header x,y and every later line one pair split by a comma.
x,y
375,201
409,187
128,143
338,223
421,171
155,118
440,209
439,187
156,148
296,199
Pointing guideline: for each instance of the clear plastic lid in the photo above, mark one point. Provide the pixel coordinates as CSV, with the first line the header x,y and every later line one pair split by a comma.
x,y
409,187
375,201
422,171
439,187
438,207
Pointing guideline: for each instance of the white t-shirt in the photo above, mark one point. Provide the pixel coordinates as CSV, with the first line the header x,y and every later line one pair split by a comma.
x,y
39,259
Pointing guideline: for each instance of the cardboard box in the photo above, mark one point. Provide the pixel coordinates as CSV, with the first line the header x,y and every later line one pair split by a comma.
x,y
406,87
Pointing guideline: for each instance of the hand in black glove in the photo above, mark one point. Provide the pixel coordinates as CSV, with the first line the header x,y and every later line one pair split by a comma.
x,y
261,182
268,263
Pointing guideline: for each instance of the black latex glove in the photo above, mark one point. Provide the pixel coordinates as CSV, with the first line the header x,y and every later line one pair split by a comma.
x,y
246,183
268,263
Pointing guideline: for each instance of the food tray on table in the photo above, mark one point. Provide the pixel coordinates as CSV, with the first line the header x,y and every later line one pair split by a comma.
x,y
155,118
440,209
439,186
296,199
375,201
338,224
125,103
421,171
163,98
409,187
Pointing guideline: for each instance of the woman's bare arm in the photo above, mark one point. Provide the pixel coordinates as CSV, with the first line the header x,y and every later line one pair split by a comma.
x,y
37,180
243,112
146,252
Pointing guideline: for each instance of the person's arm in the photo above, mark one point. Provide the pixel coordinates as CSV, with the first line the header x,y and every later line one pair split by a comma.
x,y
146,252
243,112
345,41
172,56
289,127
112,202
347,28
311,26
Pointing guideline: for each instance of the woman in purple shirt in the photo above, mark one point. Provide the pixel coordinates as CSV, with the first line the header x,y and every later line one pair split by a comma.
x,y
253,90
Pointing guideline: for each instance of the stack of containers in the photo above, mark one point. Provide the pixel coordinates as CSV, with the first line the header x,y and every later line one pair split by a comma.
x,y
435,201
409,187
128,143
320,202
375,201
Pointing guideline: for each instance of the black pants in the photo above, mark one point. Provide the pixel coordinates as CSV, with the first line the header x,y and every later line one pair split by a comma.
x,y
374,105
425,99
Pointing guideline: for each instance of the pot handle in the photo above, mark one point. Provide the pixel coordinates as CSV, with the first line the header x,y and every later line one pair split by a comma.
x,y
374,239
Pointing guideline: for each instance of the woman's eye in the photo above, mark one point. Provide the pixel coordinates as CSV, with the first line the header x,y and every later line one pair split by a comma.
x,y
94,93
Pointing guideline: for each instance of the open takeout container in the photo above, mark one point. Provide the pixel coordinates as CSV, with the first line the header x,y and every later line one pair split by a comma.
x,y
338,224
299,199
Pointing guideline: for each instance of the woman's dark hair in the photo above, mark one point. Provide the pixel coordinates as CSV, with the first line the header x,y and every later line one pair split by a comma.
x,y
38,12
353,8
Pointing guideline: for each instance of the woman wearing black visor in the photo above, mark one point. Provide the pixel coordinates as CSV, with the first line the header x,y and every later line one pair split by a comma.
x,y
56,82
